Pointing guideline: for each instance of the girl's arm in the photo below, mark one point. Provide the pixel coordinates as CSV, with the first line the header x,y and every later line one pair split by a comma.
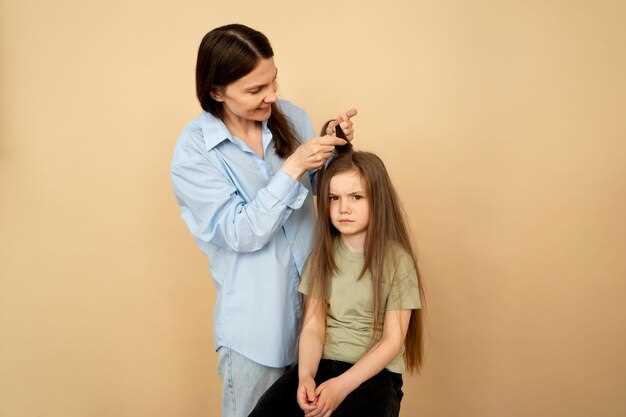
x,y
332,392
311,346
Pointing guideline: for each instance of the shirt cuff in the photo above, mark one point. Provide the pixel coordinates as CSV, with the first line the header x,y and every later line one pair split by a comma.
x,y
287,190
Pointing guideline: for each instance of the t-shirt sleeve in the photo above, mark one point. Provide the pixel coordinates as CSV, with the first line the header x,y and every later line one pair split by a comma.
x,y
306,282
404,292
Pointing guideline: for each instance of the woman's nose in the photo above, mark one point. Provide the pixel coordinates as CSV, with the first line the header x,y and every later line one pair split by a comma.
x,y
273,95
271,98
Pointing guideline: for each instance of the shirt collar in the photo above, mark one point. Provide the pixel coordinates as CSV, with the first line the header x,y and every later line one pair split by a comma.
x,y
214,131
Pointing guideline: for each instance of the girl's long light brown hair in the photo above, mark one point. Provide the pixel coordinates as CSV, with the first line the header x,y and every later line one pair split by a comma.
x,y
386,227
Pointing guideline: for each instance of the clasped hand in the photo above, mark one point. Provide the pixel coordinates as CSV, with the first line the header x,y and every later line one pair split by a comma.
x,y
321,401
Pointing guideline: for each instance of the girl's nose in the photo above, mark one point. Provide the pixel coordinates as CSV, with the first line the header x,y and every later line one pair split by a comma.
x,y
344,207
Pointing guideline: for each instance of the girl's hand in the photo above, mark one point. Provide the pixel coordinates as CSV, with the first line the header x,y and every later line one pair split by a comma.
x,y
329,395
311,155
306,394
345,122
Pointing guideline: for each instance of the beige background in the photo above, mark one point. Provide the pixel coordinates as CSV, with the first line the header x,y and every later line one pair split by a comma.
x,y
502,124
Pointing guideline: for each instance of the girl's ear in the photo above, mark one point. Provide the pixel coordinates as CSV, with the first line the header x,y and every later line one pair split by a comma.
x,y
217,94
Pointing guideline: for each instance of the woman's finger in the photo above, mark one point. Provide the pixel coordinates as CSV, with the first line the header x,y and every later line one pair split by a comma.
x,y
332,140
324,148
320,156
346,116
330,128
351,113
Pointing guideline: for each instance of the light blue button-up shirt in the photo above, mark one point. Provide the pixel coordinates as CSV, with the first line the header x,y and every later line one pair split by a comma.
x,y
255,223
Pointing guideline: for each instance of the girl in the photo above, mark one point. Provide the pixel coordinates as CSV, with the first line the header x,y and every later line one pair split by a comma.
x,y
361,327
239,174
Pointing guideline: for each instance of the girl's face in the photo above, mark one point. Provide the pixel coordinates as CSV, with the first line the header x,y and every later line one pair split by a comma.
x,y
349,203
251,96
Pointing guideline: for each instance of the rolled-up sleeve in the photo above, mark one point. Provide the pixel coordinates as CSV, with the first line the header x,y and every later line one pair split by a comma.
x,y
214,210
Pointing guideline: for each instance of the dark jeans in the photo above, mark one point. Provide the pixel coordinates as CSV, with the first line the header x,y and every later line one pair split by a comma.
x,y
379,396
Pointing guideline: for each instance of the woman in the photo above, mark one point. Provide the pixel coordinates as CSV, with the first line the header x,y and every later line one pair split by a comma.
x,y
238,173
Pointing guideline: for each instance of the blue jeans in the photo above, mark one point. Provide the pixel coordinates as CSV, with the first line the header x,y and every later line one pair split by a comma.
x,y
243,381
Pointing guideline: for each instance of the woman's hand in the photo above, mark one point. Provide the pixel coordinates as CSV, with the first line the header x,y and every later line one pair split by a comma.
x,y
345,122
329,395
311,155
306,394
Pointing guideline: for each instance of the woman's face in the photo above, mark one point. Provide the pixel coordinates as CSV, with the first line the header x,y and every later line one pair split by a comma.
x,y
251,96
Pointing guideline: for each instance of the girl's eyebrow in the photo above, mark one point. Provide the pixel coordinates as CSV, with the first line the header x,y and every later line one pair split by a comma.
x,y
352,193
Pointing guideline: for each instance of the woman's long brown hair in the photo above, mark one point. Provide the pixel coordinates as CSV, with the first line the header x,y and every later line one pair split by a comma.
x,y
226,54
386,227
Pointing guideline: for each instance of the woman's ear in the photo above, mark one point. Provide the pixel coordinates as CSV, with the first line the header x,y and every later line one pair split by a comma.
x,y
217,94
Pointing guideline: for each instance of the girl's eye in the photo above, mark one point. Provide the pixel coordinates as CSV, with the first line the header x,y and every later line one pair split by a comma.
x,y
333,198
358,197
255,91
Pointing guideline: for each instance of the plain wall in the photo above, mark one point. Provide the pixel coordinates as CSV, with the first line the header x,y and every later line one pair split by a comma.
x,y
501,123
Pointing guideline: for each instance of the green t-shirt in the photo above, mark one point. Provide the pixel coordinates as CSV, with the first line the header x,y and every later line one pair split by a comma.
x,y
350,312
